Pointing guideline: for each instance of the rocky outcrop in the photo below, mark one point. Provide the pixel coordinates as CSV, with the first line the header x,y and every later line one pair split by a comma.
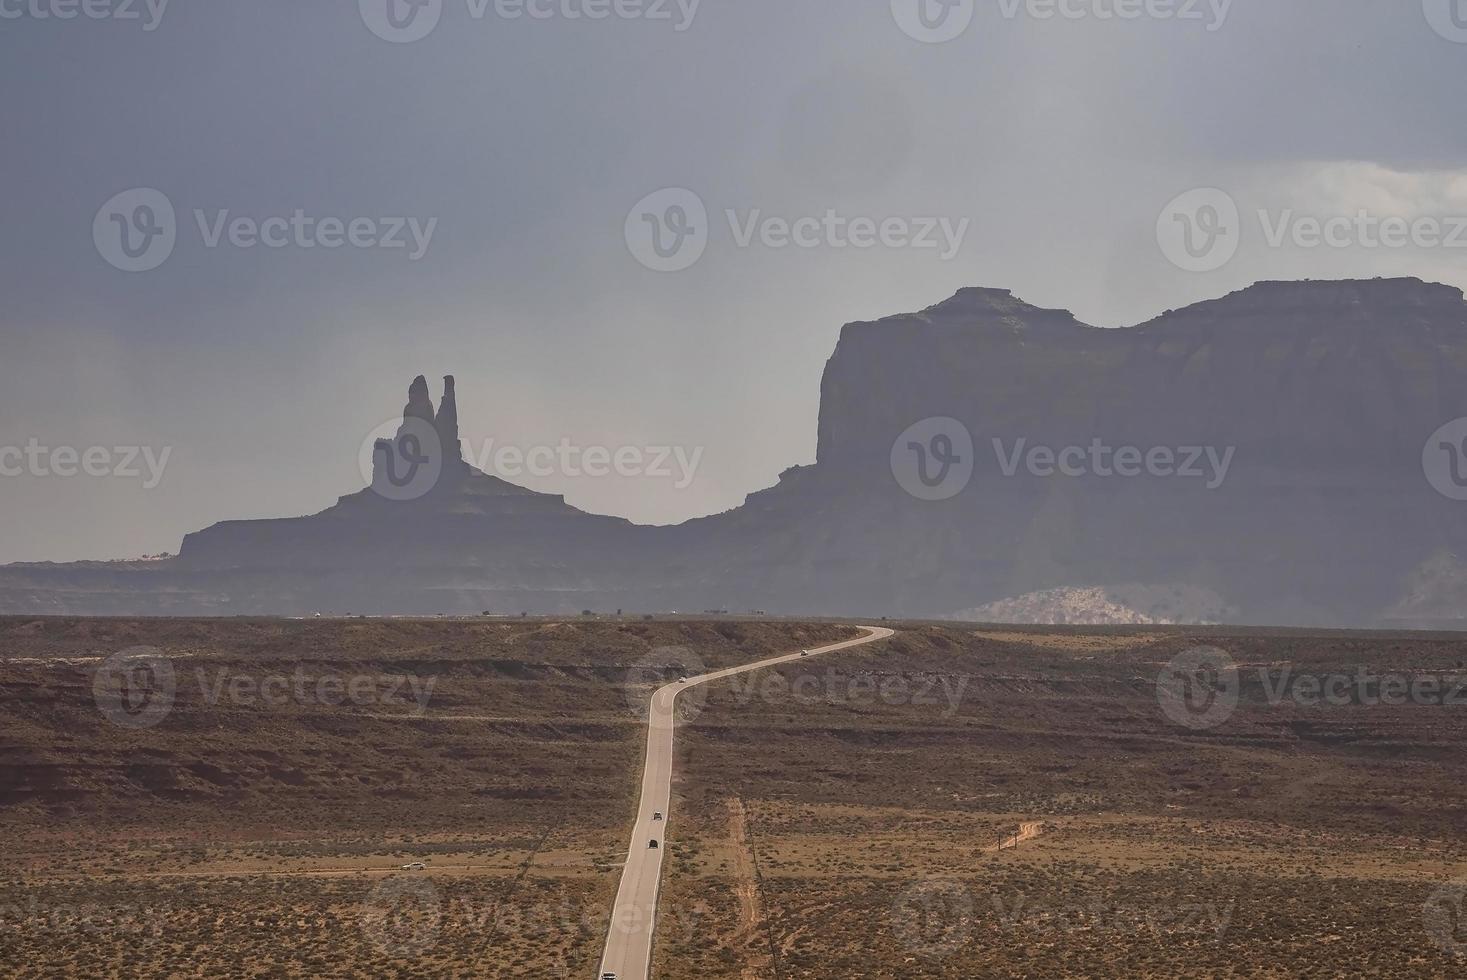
x,y
1324,394
445,425
1300,409
426,447
419,403
1123,605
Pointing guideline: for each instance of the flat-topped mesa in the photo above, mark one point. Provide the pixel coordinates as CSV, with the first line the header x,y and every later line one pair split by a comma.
x,y
981,306
1282,480
1276,298
980,301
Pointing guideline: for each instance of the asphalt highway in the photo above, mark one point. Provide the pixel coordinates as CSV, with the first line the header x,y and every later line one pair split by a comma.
x,y
634,917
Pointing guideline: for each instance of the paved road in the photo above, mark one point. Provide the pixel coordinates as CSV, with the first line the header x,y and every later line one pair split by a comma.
x,y
629,943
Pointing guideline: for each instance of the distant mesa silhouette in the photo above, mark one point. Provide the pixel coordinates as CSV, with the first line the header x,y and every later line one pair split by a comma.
x,y
1320,395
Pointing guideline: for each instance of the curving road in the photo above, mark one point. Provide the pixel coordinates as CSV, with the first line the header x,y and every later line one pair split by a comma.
x,y
634,917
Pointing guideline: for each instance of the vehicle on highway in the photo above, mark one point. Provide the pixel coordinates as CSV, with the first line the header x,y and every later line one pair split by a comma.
x,y
657,815
415,866
608,976
652,845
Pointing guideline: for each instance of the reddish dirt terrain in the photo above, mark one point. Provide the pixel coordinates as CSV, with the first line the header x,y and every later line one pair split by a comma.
x,y
259,829
1289,840
841,817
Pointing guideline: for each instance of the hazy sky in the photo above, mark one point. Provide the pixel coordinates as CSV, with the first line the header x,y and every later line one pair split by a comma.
x,y
261,370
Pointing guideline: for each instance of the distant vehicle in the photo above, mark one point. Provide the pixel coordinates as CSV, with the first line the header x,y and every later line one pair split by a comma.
x,y
804,653
415,866
652,845
608,976
682,680
657,815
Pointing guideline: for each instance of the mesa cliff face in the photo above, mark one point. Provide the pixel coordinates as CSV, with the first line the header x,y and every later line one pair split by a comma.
x,y
1319,396
1312,400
